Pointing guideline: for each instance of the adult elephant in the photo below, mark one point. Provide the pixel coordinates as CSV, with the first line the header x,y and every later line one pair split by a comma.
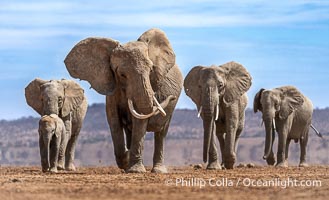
x,y
287,111
219,94
135,77
66,99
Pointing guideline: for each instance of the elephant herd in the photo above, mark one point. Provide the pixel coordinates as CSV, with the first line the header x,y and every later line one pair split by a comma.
x,y
142,84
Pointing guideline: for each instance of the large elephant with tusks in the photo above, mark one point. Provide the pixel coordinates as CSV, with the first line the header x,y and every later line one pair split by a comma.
x,y
142,84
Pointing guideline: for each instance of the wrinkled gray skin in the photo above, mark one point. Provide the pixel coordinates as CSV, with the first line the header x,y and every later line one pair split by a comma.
x,y
224,86
52,142
142,72
292,113
66,99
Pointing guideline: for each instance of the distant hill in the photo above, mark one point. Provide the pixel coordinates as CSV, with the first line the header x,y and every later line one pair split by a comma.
x,y
19,140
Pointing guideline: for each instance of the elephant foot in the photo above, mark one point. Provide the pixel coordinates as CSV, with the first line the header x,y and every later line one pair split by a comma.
x,y
214,166
303,164
61,167
136,168
222,165
70,167
53,170
229,161
123,161
282,165
270,160
229,165
44,170
159,169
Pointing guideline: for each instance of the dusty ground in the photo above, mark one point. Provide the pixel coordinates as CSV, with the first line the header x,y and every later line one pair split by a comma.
x,y
111,183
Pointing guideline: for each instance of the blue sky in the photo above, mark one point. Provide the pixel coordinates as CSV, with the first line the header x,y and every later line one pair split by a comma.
x,y
280,42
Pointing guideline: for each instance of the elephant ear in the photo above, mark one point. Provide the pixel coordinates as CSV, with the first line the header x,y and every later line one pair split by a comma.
x,y
291,100
160,51
191,86
33,95
90,60
238,81
73,96
257,103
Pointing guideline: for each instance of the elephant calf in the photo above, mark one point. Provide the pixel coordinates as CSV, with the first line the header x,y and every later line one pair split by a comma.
x,y
52,142
289,113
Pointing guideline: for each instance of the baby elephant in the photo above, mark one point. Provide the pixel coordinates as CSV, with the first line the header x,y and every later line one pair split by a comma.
x,y
52,143
288,112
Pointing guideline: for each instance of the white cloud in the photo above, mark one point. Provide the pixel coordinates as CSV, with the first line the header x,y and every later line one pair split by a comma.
x,y
171,13
27,23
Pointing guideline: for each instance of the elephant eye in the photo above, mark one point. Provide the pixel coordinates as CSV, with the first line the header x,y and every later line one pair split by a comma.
x,y
123,76
277,106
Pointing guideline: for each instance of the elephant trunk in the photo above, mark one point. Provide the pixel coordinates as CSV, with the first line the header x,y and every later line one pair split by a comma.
x,y
270,134
209,105
147,105
208,126
142,94
46,141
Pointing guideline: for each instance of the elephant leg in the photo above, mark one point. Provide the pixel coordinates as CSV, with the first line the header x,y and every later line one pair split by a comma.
x,y
221,139
137,146
54,152
158,157
220,132
61,156
70,153
230,138
281,150
43,155
120,150
239,130
213,163
303,145
287,150
71,137
271,159
128,137
237,137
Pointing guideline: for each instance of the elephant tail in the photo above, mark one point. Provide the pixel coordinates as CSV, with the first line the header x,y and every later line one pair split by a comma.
x,y
316,131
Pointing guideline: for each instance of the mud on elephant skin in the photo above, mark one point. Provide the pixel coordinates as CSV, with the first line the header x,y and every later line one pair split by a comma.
x,y
142,84
288,112
52,142
219,94
64,98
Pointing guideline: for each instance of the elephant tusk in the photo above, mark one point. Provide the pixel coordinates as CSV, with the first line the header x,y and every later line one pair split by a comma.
x,y
163,113
217,112
316,131
136,114
200,110
274,126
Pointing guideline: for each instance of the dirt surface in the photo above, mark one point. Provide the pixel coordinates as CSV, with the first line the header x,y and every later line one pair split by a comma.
x,y
181,183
